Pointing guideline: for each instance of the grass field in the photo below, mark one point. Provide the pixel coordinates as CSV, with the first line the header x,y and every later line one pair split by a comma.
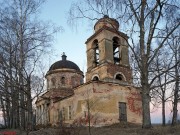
x,y
117,129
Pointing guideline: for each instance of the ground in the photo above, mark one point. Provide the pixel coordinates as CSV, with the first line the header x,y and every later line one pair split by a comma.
x,y
117,129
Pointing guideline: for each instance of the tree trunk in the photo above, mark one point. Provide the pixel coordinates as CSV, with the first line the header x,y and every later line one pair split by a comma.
x,y
8,113
176,90
174,118
144,70
4,112
22,107
29,104
21,80
7,103
146,107
18,112
163,112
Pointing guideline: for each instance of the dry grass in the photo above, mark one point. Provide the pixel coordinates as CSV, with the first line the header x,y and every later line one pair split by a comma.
x,y
117,129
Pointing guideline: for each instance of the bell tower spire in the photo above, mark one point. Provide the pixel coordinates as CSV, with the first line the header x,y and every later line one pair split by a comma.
x,y
107,53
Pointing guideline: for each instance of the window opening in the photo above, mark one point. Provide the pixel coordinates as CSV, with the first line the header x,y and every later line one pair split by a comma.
x,y
119,77
70,112
61,117
58,111
96,50
116,53
63,113
63,80
95,78
73,81
53,80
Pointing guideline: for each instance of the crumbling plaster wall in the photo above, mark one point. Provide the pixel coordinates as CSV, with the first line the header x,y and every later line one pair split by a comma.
x,y
104,101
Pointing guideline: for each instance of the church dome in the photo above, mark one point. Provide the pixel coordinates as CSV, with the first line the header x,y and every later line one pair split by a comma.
x,y
64,64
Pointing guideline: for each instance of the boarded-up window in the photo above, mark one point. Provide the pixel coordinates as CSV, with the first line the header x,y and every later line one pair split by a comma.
x,y
122,111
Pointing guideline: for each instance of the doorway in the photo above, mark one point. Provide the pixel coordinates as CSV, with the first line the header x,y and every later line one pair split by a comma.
x,y
122,112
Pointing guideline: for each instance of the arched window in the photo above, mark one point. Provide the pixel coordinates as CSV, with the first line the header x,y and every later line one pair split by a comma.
x,y
120,77
73,81
96,52
116,52
95,78
63,80
53,81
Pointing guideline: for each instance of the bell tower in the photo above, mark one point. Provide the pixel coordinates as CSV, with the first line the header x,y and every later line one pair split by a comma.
x,y
107,53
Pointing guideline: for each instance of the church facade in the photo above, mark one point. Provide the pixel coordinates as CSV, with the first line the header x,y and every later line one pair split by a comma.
x,y
107,96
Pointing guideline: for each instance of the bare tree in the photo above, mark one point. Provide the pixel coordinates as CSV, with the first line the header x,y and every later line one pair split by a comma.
x,y
162,88
24,40
146,21
174,44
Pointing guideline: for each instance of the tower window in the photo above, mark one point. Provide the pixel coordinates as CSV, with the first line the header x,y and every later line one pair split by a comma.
x,y
96,51
116,52
63,80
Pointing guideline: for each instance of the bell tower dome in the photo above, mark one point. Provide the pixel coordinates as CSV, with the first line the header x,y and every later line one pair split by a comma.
x,y
107,53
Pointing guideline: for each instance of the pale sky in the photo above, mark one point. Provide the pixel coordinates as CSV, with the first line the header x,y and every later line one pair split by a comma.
x,y
70,41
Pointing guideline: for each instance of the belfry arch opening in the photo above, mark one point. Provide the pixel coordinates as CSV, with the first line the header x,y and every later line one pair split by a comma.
x,y
96,52
116,51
